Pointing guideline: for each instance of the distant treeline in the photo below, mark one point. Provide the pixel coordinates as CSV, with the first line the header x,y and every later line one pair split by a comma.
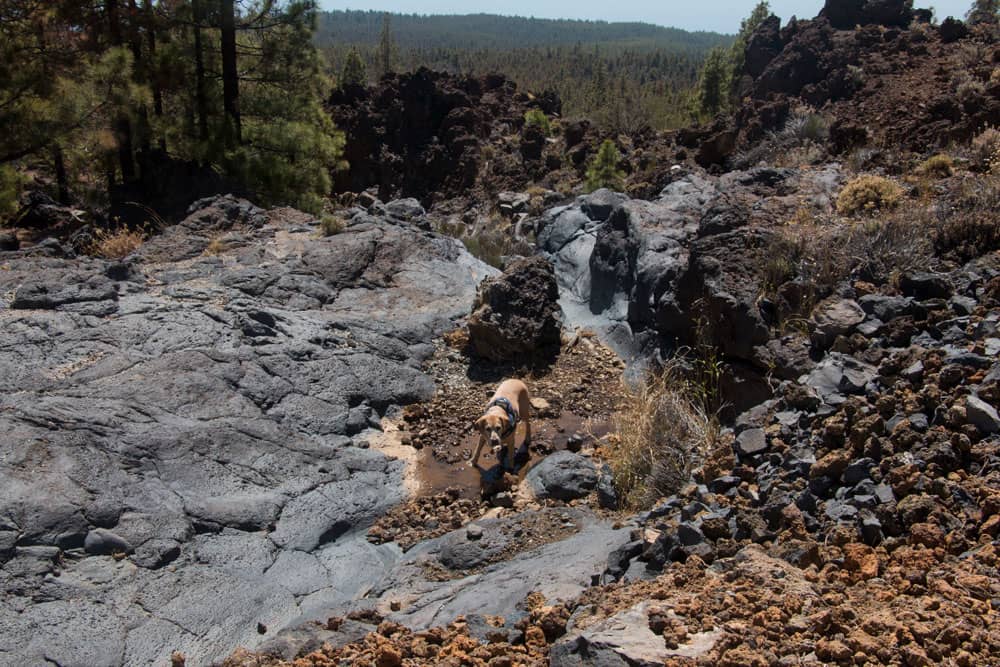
x,y
620,74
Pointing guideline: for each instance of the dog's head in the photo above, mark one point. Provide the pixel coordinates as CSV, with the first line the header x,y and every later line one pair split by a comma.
x,y
492,426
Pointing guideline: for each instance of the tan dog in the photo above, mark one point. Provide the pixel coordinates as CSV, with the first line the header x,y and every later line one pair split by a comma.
x,y
509,406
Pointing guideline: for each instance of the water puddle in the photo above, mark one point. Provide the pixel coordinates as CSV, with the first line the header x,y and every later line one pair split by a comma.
x,y
433,474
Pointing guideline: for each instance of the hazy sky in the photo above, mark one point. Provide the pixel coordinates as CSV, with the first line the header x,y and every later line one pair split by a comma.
x,y
719,15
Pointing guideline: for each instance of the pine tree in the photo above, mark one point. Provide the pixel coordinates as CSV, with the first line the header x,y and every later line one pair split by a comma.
x,y
92,87
749,25
603,171
385,47
713,85
984,11
354,73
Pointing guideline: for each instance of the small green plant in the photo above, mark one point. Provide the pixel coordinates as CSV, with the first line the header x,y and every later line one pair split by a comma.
x,y
330,225
868,194
537,118
10,186
603,171
937,166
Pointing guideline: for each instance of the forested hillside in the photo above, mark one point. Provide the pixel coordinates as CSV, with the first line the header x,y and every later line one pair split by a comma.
x,y
151,101
622,74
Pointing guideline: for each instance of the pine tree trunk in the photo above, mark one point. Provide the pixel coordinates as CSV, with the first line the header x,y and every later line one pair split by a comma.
x,y
154,78
201,99
230,75
61,180
123,126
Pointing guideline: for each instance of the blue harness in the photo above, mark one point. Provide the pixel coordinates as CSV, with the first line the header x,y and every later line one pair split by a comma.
x,y
509,409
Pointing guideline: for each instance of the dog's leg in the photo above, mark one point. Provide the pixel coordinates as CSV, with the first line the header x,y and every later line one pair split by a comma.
x,y
510,452
527,433
479,449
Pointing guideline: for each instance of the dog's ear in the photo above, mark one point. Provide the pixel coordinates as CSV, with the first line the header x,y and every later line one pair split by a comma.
x,y
480,424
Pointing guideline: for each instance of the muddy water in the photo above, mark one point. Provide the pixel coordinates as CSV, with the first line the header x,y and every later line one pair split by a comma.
x,y
433,475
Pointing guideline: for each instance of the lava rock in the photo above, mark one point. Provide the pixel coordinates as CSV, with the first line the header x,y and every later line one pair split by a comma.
x,y
516,315
103,542
982,415
858,470
9,241
923,286
887,308
607,494
563,476
751,442
834,317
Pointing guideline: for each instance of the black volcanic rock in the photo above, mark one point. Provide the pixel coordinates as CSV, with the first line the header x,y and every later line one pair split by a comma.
x,y
516,316
419,134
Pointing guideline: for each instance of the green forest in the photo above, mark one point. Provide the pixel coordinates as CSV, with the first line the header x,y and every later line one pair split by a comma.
x,y
623,75
137,100
111,96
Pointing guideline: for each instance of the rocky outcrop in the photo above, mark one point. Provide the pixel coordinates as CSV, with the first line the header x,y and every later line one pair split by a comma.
x,y
184,454
420,134
862,63
516,316
845,14
683,269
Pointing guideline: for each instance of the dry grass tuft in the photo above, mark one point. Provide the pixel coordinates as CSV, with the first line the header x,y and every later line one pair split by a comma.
x,y
117,243
819,255
869,194
216,246
662,434
970,227
937,166
331,225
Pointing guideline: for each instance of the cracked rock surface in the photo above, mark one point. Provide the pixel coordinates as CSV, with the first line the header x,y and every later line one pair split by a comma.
x,y
183,460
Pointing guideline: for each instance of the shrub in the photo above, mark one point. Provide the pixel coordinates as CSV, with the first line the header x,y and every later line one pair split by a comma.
x,y
986,148
937,166
867,194
971,228
10,186
662,433
492,245
329,225
603,171
354,73
801,140
818,257
537,118
116,244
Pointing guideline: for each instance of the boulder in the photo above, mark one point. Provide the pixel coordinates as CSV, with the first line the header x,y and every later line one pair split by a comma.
x,y
763,47
626,640
922,285
9,241
563,476
516,316
982,415
834,317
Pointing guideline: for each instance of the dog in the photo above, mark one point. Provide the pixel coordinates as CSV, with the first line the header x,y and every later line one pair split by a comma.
x,y
509,406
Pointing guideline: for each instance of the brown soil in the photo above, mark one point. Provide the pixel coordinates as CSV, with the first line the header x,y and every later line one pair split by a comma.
x,y
579,391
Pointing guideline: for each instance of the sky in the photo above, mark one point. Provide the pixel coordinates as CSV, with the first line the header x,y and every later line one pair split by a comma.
x,y
717,15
